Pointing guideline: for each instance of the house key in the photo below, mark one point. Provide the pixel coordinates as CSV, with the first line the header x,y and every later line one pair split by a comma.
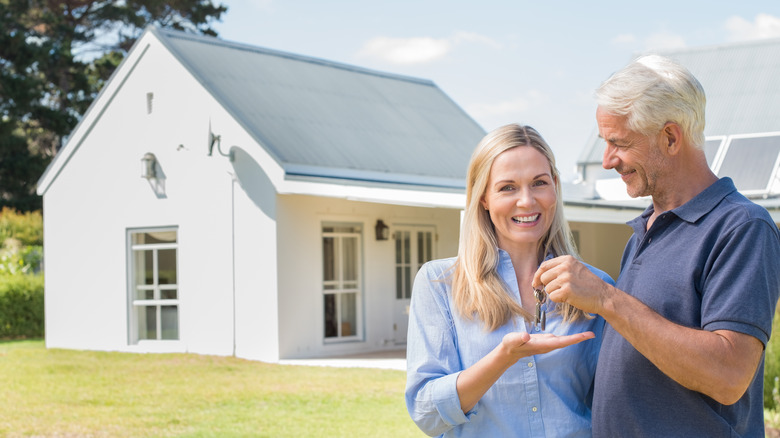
x,y
540,317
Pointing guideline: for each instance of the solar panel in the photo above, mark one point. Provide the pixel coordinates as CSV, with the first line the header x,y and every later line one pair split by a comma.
x,y
711,147
751,161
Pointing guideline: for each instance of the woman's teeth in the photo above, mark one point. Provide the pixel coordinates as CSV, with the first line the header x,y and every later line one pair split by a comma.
x,y
526,219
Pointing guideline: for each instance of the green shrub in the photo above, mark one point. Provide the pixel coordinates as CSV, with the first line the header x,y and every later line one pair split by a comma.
x,y
772,365
21,306
27,227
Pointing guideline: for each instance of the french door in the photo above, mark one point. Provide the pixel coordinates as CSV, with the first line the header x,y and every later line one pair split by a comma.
x,y
414,245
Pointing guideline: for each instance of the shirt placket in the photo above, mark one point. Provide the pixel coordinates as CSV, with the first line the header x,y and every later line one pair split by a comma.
x,y
533,399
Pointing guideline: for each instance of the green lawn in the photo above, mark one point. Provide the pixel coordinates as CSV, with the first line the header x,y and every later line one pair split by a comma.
x,y
66,393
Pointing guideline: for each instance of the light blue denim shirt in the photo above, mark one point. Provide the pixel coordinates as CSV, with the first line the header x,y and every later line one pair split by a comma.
x,y
546,395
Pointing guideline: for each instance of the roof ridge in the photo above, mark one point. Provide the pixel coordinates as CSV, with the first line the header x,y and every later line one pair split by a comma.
x,y
162,34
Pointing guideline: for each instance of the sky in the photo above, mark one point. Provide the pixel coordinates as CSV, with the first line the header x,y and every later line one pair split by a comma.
x,y
530,62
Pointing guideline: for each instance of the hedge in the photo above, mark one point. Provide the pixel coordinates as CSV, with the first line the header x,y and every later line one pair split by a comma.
x,y
21,306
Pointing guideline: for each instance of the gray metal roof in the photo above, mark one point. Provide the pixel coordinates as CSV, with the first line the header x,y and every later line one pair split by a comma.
x,y
742,83
319,118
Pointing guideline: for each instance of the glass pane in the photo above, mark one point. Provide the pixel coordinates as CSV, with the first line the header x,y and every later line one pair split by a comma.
x,y
154,237
407,257
348,304
428,247
168,294
330,316
169,322
143,267
147,322
407,280
328,259
420,247
166,262
350,261
144,294
398,247
399,282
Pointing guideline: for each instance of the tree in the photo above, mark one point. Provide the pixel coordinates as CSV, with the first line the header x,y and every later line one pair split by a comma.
x,y
55,56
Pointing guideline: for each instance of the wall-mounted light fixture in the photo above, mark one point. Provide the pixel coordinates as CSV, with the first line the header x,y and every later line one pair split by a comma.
x,y
149,163
382,230
215,142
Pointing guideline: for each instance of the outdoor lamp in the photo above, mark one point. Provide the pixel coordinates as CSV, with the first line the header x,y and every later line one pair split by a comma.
x,y
149,170
382,230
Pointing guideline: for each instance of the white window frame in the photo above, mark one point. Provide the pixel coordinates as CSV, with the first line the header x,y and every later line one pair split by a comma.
x,y
338,286
135,305
414,263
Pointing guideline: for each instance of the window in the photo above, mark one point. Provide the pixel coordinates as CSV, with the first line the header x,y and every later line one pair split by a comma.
x,y
413,247
154,292
341,282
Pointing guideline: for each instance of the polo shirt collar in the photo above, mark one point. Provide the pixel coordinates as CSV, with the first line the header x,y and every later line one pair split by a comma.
x,y
702,203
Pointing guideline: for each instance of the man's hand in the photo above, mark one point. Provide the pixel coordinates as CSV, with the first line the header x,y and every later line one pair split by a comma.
x,y
567,280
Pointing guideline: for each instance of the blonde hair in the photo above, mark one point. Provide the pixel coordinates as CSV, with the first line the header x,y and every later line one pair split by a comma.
x,y
477,289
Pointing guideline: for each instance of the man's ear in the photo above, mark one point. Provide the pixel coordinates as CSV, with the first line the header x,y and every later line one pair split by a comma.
x,y
672,137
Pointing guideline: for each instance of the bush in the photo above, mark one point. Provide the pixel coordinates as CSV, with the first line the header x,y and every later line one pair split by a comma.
x,y
21,306
27,228
772,365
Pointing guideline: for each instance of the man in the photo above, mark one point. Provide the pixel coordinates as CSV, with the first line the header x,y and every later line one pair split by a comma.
x,y
692,309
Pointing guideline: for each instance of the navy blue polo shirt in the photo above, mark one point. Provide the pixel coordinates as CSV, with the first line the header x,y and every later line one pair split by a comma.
x,y
710,264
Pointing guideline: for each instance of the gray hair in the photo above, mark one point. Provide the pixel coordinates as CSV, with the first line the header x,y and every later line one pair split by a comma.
x,y
653,90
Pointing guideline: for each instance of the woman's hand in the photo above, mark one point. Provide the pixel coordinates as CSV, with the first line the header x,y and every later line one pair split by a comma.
x,y
474,381
520,344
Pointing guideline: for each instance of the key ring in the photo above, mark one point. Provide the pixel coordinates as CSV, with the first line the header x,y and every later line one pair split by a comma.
x,y
540,317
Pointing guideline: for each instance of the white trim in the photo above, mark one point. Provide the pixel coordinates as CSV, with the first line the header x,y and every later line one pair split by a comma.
x,y
96,110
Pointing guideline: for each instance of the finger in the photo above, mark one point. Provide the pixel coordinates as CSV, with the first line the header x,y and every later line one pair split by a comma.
x,y
544,268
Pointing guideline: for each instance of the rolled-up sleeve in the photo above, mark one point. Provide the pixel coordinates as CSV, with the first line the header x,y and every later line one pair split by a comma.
x,y
433,363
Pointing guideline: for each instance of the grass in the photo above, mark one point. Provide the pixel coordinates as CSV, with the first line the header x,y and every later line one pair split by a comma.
x,y
68,393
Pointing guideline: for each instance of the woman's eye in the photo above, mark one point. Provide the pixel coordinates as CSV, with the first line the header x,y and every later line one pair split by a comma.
x,y
539,182
506,188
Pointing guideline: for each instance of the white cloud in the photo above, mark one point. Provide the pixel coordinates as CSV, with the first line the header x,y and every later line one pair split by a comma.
x,y
764,26
418,50
664,40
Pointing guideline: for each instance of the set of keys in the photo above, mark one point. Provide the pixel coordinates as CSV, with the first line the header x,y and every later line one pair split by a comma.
x,y
540,316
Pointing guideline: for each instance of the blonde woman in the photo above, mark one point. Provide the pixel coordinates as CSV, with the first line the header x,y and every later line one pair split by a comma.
x,y
479,361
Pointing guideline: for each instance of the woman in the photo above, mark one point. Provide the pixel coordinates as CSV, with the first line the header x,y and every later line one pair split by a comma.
x,y
471,316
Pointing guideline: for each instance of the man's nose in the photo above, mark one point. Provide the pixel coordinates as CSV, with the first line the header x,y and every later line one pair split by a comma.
x,y
610,160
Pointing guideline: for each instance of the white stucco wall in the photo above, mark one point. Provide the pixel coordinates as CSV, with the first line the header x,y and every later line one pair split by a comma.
x,y
99,195
301,319
257,318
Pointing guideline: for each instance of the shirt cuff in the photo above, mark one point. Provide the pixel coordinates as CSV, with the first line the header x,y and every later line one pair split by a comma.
x,y
448,402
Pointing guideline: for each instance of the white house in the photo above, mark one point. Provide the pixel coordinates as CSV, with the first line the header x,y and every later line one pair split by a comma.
x,y
224,199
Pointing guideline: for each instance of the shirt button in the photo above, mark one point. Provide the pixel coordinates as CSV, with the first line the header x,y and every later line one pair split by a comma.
x,y
534,409
530,364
